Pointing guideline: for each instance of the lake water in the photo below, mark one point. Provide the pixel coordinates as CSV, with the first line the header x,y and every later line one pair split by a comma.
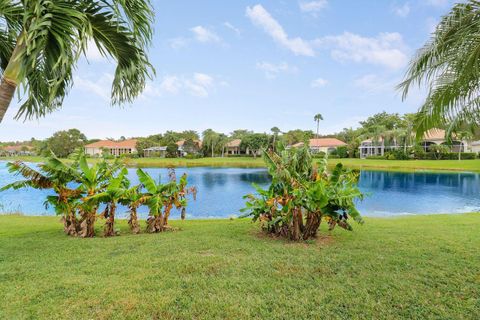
x,y
220,192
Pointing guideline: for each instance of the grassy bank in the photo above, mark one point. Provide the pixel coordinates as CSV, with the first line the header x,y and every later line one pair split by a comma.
x,y
419,267
248,162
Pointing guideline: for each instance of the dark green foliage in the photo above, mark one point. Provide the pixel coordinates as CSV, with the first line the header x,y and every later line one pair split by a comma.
x,y
301,196
63,143
80,189
255,142
172,150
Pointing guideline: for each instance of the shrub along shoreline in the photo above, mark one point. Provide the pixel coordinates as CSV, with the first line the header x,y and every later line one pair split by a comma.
x,y
248,162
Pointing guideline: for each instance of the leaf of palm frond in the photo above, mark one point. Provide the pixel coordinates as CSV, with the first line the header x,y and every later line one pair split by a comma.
x,y
449,65
36,178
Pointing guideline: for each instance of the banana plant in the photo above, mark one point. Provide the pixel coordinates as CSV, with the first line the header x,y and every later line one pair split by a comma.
x,y
53,174
92,180
161,198
111,196
303,195
133,198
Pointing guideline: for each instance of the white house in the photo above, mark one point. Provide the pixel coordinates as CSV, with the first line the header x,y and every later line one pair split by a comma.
x,y
377,147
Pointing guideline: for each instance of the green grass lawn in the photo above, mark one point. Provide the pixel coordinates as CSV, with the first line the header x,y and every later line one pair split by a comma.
x,y
248,162
418,267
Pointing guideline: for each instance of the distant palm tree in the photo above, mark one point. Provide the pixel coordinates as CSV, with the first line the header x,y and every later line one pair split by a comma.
x,y
449,64
275,131
317,118
463,136
41,42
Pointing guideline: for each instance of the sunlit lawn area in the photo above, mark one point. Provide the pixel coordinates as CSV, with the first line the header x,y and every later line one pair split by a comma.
x,y
418,267
370,164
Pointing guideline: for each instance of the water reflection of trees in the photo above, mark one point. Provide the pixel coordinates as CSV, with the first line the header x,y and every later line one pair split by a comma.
x,y
463,183
213,179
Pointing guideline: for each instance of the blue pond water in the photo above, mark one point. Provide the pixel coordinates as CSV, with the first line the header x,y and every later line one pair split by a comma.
x,y
220,192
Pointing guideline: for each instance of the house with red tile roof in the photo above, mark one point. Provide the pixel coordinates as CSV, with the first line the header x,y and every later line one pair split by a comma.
x,y
326,145
114,148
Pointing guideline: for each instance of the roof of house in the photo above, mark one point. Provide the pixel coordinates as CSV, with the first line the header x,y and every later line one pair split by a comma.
x,y
181,142
379,140
434,134
234,143
323,142
17,148
129,143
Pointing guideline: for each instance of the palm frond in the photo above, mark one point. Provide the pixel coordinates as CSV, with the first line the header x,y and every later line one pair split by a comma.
x,y
449,66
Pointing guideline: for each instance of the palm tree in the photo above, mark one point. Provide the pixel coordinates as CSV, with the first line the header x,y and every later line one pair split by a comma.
x,y
41,42
211,140
463,136
317,118
448,65
275,131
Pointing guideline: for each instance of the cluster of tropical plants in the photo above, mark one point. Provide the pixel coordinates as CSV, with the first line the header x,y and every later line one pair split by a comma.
x,y
303,194
83,194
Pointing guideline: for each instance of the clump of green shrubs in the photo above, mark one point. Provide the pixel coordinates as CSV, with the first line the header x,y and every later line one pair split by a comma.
x,y
303,195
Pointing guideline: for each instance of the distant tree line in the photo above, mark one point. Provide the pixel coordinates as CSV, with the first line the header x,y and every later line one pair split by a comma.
x,y
394,128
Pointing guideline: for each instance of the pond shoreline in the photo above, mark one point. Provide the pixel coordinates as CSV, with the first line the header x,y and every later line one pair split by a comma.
x,y
436,166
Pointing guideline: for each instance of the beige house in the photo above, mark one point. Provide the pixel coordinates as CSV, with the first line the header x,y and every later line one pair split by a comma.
x,y
326,145
475,146
114,148
233,147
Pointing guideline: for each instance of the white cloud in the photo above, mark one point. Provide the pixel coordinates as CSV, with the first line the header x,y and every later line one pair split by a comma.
x,y
197,84
204,35
178,43
200,85
100,87
272,70
319,83
402,10
262,18
374,84
312,6
387,49
232,27
170,84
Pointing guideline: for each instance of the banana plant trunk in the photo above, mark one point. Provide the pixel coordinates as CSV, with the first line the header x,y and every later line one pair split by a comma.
x,y
109,230
133,221
311,226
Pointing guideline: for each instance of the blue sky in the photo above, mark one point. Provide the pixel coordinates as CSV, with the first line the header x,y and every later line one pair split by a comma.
x,y
254,65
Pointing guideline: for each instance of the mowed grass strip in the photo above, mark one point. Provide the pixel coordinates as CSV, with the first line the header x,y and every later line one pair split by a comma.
x,y
249,162
418,267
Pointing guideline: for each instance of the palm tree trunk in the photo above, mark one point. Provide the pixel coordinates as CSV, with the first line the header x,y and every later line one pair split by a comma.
x,y
7,90
10,78
318,126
